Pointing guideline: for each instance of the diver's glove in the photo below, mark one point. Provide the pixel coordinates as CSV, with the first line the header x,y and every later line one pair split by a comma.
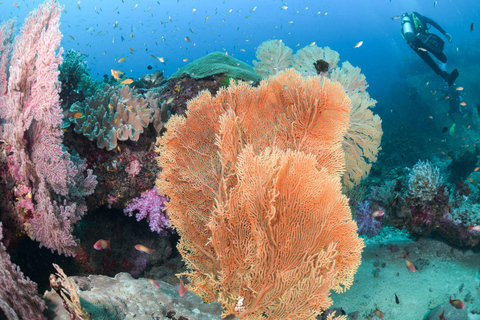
x,y
448,36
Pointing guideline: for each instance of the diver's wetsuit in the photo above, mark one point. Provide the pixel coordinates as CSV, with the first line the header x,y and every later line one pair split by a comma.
x,y
421,29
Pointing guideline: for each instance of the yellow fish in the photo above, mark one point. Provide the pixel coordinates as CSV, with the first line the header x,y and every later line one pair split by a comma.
x,y
122,59
77,115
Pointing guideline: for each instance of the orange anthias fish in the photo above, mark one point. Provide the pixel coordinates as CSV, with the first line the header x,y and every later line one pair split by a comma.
x,y
142,248
102,244
182,289
153,283
114,74
408,263
126,81
457,303
379,313
442,316
377,214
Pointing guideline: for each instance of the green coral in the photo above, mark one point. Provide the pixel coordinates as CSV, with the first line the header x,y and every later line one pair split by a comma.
x,y
218,62
76,83
226,81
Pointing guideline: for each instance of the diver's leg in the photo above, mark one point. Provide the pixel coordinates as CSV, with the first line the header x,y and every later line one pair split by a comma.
x,y
428,60
441,56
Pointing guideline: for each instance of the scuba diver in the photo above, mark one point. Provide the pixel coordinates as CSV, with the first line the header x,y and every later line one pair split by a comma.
x,y
415,31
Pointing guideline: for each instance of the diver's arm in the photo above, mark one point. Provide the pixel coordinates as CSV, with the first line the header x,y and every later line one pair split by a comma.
x,y
430,21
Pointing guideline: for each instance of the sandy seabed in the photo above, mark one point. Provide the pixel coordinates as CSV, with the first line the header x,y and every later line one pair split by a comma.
x,y
442,271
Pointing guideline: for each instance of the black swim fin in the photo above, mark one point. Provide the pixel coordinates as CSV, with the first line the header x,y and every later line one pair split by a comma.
x,y
453,76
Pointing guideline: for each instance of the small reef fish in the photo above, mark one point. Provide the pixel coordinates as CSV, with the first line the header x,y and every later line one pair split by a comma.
x,y
397,301
283,8
121,60
187,39
358,45
379,313
142,248
452,129
422,49
312,44
476,169
408,263
442,315
457,303
102,244
377,214
459,89
395,17
77,115
182,289
474,228
126,81
161,59
186,60
472,26
114,74
463,103
71,37
153,283
435,4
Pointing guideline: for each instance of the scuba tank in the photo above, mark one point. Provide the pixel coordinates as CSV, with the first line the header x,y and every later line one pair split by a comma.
x,y
407,28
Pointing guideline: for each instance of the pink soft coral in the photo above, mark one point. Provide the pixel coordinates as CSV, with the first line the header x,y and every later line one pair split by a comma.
x,y
151,205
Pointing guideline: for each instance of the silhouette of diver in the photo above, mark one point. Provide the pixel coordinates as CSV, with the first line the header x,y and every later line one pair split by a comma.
x,y
415,30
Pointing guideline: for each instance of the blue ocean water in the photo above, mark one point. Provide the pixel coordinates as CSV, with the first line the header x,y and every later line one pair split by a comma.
x,y
159,28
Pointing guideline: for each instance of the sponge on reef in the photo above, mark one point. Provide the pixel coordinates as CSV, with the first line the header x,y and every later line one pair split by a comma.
x,y
218,62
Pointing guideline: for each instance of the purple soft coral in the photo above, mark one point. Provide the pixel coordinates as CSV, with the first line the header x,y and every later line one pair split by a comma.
x,y
151,204
367,225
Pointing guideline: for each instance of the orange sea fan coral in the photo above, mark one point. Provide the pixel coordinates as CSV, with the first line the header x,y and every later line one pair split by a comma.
x,y
248,172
